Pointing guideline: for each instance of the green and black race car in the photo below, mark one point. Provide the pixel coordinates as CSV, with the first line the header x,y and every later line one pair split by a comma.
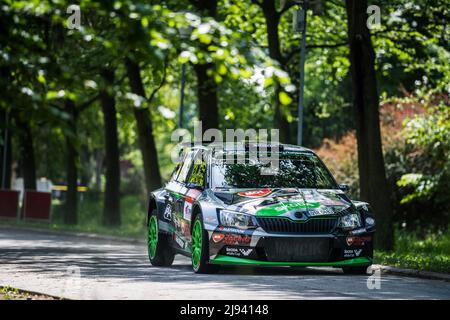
x,y
222,212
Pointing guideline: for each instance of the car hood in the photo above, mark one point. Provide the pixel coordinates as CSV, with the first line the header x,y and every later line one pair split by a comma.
x,y
288,202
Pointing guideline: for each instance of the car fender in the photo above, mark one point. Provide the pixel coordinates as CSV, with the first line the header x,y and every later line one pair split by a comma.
x,y
158,201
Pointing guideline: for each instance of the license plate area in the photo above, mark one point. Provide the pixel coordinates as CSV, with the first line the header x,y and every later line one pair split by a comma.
x,y
296,249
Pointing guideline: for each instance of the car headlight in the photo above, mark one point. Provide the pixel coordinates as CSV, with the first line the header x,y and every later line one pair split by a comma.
x,y
237,220
350,221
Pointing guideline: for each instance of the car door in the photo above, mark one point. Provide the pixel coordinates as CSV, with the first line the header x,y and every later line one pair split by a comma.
x,y
175,203
193,188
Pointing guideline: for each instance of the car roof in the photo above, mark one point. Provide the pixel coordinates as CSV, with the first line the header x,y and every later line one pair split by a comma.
x,y
241,146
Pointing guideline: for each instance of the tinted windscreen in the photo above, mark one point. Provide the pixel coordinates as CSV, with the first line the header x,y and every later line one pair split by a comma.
x,y
295,171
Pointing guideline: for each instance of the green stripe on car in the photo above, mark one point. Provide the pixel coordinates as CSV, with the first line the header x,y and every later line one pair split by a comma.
x,y
356,262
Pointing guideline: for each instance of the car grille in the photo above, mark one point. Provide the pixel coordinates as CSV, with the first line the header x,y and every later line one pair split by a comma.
x,y
297,249
311,226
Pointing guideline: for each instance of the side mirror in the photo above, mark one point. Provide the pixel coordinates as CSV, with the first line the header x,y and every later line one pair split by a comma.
x,y
195,186
344,187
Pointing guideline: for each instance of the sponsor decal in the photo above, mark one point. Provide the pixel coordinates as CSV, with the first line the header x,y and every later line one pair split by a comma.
x,y
255,193
228,229
357,241
348,254
237,239
238,252
358,231
189,199
281,208
180,242
185,230
187,210
217,237
352,253
232,251
168,212
321,211
192,195
231,239
246,252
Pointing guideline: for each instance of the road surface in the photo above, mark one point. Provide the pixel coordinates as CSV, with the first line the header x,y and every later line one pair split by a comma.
x,y
78,267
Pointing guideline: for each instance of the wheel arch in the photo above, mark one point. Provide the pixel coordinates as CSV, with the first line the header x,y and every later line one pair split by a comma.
x,y
151,206
196,209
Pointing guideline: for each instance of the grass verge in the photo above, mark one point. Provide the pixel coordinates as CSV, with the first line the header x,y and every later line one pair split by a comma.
x,y
9,293
429,252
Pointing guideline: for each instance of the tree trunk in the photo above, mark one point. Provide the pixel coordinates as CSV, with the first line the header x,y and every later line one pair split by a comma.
x,y
27,160
144,129
85,159
280,119
373,183
207,97
208,105
111,206
272,23
99,157
71,205
5,180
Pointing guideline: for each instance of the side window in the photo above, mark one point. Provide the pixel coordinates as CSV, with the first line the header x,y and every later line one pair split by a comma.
x,y
198,174
177,169
186,166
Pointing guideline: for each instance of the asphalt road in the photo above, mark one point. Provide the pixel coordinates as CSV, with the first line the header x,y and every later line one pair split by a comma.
x,y
82,268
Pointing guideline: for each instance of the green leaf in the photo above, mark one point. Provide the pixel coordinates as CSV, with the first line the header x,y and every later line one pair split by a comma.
x,y
284,98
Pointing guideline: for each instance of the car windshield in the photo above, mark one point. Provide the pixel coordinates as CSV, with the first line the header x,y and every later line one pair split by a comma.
x,y
296,170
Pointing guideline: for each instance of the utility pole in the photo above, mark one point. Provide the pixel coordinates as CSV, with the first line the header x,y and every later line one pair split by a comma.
x,y
183,83
185,34
300,26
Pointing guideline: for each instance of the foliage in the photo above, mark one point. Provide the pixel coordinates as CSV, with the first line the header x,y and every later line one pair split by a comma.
x,y
428,135
414,133
429,252
43,64
341,158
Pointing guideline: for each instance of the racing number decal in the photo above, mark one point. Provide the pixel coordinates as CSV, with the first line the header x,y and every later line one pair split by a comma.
x,y
168,212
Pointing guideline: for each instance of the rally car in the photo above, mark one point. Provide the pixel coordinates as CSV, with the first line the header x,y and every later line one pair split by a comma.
x,y
221,208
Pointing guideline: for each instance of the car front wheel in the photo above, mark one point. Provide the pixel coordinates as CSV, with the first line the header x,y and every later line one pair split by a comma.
x,y
200,248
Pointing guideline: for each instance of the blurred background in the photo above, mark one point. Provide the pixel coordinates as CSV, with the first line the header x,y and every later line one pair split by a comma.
x,y
91,92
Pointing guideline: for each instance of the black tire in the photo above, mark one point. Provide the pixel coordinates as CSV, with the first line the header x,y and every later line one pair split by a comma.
x,y
164,253
204,266
355,270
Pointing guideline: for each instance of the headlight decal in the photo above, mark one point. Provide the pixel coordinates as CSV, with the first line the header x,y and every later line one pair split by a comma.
x,y
237,220
350,221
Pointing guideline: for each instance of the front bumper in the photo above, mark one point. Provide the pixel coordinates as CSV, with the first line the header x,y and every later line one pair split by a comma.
x,y
259,248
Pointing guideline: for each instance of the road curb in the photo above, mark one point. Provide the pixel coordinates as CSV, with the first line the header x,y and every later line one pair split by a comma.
x,y
412,272
85,235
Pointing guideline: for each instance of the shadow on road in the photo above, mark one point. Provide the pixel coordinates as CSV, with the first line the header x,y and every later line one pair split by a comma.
x,y
51,254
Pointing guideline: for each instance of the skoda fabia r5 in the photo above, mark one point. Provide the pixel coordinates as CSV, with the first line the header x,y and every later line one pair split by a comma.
x,y
221,208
